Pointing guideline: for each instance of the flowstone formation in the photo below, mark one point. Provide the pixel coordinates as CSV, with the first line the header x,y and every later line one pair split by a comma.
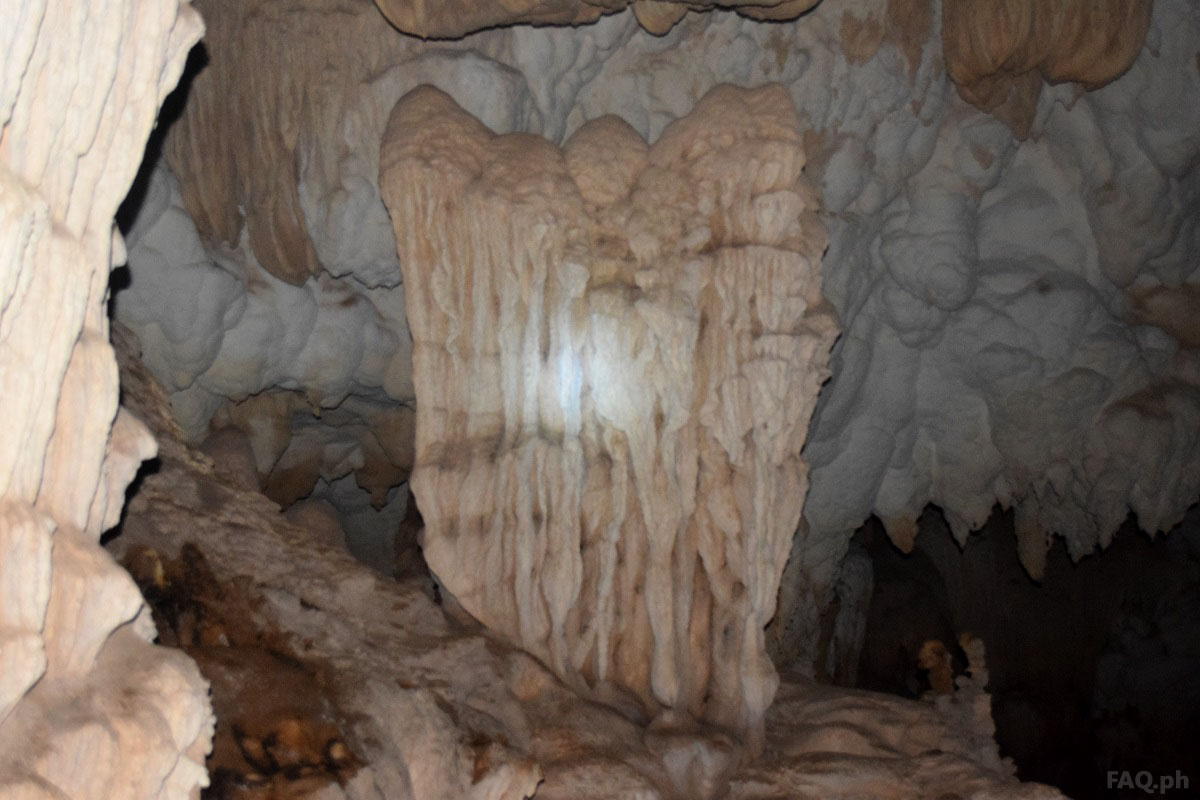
x,y
616,351
433,707
1001,54
1019,315
89,709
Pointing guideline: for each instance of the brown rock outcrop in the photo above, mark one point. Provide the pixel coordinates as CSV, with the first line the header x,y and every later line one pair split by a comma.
x,y
617,349
451,20
1000,54
433,708
261,95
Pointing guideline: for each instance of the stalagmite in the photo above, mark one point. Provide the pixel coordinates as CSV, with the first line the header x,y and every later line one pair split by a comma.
x,y
617,349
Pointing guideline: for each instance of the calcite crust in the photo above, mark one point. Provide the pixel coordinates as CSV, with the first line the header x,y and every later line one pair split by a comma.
x,y
617,349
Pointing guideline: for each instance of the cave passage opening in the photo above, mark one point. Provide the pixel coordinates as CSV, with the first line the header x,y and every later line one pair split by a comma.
x,y
1091,667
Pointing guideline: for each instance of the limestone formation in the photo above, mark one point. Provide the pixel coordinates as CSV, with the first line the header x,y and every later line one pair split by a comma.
x,y
1019,329
1019,315
1001,54
436,709
88,707
616,351
451,20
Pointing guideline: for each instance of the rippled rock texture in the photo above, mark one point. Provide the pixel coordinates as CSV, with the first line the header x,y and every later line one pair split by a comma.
x,y
617,348
89,708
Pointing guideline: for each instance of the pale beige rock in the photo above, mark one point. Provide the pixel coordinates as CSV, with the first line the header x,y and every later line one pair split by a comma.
x,y
88,708
657,16
615,371
417,697
846,744
269,111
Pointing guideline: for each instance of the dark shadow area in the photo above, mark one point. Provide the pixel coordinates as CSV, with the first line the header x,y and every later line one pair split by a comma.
x,y
148,467
909,607
172,110
1095,670
118,279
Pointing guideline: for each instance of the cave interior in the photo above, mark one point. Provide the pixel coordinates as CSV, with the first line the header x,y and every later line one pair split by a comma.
x,y
656,399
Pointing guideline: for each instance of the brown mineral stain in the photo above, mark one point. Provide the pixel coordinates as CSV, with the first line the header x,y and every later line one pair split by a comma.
x,y
814,141
778,46
1175,310
908,27
860,38
934,658
983,155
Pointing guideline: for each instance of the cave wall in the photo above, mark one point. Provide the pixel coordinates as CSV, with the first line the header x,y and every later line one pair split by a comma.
x,y
88,707
1018,313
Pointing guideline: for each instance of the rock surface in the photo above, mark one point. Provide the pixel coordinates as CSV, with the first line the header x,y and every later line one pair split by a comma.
x,y
1000,55
1019,315
451,20
433,706
615,367
995,294
88,707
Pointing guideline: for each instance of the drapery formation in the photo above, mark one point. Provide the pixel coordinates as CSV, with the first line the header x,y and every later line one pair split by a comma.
x,y
617,349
